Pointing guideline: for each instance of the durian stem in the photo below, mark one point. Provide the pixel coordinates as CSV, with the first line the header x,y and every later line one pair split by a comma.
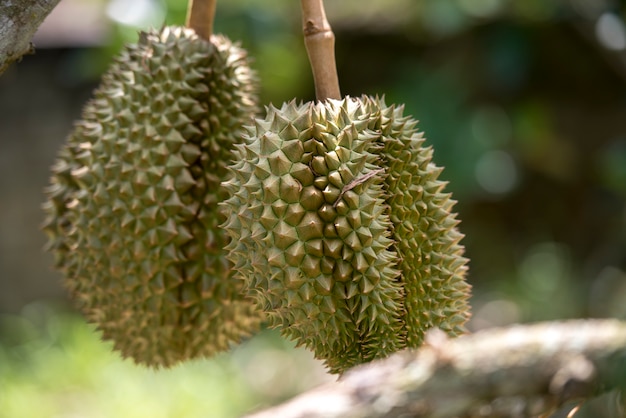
x,y
200,16
319,40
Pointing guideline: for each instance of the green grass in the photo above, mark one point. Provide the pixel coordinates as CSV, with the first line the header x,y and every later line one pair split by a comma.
x,y
54,365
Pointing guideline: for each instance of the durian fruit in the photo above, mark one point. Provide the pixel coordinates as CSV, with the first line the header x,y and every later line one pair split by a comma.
x,y
341,230
132,214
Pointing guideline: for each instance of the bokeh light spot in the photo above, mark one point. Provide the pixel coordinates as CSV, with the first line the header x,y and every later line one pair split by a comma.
x,y
496,172
611,32
139,13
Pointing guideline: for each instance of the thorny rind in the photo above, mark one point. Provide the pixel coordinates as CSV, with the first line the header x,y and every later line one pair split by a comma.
x,y
341,230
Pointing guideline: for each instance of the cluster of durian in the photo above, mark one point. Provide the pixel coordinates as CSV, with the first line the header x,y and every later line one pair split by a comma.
x,y
179,233
132,209
341,231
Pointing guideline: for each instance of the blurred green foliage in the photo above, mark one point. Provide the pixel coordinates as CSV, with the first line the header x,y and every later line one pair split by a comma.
x,y
53,365
525,106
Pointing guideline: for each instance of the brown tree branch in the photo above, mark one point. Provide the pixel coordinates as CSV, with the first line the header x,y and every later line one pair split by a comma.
x,y
200,17
523,370
320,46
19,20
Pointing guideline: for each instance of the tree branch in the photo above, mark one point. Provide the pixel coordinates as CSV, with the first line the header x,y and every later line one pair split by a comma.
x,y
19,20
319,40
523,370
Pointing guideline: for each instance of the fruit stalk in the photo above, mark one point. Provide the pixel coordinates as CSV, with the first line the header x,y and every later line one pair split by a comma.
x,y
319,40
200,16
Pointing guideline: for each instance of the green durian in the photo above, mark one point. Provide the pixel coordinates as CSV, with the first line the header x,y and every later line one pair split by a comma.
x,y
341,231
132,214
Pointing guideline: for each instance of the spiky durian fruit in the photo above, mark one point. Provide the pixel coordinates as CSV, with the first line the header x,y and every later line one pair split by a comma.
x,y
132,213
340,229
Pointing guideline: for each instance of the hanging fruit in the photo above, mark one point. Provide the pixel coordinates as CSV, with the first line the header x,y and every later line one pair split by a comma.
x,y
132,209
339,226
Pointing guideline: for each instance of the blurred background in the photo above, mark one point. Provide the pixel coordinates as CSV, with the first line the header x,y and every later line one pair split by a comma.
x,y
524,102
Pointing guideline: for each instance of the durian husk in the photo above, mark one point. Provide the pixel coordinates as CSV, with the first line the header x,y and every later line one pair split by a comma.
x,y
341,231
132,215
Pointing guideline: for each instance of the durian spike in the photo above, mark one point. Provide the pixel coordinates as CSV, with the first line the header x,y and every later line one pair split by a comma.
x,y
200,16
319,40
